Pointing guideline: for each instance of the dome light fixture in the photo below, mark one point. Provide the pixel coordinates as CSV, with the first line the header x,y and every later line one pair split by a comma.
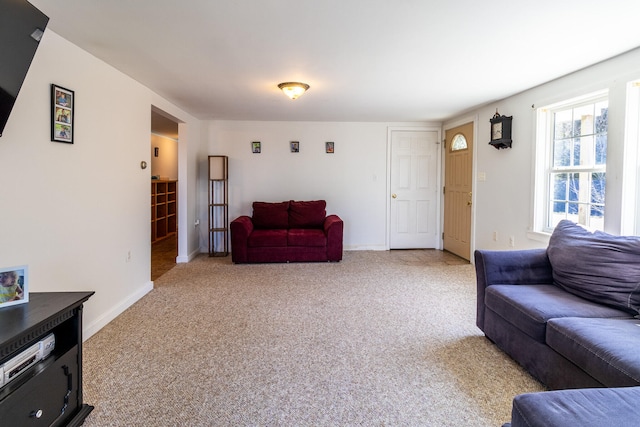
x,y
293,89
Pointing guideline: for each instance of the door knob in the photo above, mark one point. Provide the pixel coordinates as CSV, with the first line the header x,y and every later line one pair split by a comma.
x,y
394,195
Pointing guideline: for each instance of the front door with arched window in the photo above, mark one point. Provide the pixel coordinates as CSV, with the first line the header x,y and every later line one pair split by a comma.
x,y
457,193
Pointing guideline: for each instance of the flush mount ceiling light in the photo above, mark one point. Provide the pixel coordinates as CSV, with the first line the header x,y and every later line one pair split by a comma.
x,y
293,89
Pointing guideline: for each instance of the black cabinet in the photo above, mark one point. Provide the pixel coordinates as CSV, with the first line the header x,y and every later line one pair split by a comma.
x,y
49,393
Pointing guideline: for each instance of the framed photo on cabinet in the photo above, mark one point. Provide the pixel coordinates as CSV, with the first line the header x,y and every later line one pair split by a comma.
x,y
14,287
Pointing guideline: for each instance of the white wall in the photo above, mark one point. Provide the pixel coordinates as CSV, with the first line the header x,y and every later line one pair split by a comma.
x,y
192,154
166,164
352,180
504,202
73,213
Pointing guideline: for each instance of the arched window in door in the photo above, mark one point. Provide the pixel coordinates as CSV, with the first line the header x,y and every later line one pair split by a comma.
x,y
459,142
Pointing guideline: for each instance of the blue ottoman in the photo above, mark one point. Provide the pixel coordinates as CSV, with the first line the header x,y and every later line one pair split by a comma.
x,y
589,407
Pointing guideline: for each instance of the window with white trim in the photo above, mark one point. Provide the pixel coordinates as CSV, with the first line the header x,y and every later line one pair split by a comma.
x,y
572,162
631,172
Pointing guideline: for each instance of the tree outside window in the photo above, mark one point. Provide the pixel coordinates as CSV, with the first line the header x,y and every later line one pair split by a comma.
x,y
577,167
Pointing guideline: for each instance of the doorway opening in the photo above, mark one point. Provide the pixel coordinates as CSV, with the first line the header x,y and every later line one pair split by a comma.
x,y
164,200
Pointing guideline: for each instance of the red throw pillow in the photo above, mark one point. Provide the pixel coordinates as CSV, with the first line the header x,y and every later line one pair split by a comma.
x,y
271,215
307,214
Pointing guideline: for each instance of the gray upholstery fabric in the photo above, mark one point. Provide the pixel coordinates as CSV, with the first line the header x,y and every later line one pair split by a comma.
x,y
597,266
577,331
540,360
528,307
525,267
607,349
594,407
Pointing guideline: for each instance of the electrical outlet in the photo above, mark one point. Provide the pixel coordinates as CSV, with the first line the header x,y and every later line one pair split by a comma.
x,y
512,241
495,236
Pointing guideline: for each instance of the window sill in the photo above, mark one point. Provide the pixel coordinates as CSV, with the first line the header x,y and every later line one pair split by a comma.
x,y
539,236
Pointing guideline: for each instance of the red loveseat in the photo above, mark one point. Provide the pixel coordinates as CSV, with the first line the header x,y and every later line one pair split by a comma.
x,y
287,232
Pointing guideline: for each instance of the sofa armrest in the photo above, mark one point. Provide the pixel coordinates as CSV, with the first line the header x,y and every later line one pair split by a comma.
x,y
523,267
334,229
240,228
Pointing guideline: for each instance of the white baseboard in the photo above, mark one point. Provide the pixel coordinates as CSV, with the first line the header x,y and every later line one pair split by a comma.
x,y
95,326
188,258
365,248
194,254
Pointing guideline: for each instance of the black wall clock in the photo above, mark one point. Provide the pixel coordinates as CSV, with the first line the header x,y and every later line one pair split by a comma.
x,y
501,131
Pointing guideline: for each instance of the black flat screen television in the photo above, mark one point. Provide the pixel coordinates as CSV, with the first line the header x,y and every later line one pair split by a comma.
x,y
21,27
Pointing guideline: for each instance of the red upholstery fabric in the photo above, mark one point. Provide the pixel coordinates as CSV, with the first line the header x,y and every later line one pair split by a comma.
x,y
267,255
307,214
334,229
270,215
267,238
240,228
306,237
315,238
307,254
288,254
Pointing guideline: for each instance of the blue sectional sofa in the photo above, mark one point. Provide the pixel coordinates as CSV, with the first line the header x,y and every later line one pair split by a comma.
x,y
569,315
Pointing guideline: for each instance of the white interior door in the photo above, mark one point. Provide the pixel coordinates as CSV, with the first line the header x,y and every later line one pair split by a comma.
x,y
413,189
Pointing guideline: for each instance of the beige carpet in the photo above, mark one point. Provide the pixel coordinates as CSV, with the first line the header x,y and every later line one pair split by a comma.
x,y
379,339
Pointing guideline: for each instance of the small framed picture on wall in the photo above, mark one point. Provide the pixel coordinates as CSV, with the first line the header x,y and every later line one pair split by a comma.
x,y
329,146
62,109
256,147
295,147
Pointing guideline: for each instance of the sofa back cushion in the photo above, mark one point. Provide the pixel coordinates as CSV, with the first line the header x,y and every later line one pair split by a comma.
x,y
596,266
270,215
309,214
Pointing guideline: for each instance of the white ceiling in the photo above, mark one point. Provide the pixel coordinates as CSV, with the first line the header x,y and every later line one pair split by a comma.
x,y
366,60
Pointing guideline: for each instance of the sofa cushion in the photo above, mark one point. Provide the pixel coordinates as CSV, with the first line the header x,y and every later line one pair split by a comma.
x,y
270,215
529,307
606,349
306,237
309,214
267,238
597,266
586,408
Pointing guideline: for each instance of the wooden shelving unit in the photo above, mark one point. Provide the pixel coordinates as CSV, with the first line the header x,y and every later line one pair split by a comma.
x,y
218,206
164,209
